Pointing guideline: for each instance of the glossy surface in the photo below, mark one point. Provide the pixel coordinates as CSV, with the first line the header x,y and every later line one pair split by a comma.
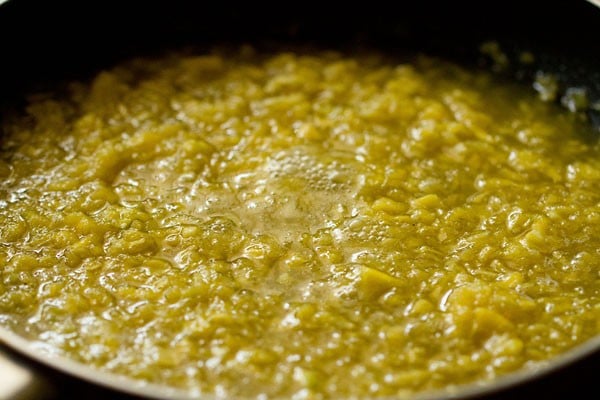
x,y
300,225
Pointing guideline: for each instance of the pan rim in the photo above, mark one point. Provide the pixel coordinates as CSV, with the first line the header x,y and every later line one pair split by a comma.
x,y
135,387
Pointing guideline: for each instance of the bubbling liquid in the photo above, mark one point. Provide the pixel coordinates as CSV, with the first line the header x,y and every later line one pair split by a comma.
x,y
299,225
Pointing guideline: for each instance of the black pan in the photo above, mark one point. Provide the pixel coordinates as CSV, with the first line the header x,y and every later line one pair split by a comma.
x,y
45,42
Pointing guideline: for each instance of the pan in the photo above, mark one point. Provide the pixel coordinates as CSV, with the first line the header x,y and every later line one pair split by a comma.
x,y
49,42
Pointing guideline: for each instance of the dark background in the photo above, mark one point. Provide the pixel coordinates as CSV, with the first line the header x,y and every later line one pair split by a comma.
x,y
43,42
47,40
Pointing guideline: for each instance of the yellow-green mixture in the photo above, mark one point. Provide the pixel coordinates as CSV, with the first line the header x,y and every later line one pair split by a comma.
x,y
306,225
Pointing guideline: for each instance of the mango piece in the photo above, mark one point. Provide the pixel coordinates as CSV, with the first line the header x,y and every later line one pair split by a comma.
x,y
372,283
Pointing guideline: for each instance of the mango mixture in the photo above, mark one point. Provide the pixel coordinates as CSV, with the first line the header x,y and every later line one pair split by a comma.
x,y
305,225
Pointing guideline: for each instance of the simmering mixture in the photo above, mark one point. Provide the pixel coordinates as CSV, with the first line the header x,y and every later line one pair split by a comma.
x,y
299,225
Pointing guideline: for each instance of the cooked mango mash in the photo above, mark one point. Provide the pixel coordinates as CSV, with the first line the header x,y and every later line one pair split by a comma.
x,y
299,225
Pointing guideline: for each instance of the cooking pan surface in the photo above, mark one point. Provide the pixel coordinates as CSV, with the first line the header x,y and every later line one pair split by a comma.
x,y
67,43
55,53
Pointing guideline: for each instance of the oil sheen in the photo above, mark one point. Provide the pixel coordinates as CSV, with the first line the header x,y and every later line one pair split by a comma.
x,y
299,225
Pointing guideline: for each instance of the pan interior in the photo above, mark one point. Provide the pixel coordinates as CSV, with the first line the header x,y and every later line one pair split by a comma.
x,y
288,220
